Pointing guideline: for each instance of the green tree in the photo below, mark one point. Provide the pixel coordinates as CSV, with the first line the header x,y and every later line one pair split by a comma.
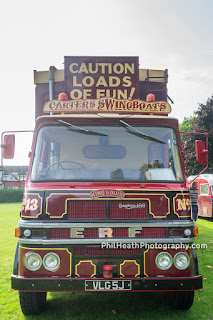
x,y
188,145
204,123
187,124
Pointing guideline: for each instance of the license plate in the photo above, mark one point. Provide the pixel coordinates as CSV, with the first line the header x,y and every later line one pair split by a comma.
x,y
108,285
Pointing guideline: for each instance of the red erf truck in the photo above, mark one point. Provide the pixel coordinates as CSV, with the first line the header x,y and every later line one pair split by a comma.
x,y
106,205
205,194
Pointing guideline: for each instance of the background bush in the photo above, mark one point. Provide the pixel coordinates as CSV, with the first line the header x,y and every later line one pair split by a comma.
x,y
11,195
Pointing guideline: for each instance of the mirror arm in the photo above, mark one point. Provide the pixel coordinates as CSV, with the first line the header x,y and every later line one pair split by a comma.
x,y
10,173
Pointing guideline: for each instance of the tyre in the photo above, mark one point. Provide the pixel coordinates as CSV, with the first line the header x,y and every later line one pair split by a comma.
x,y
32,302
182,300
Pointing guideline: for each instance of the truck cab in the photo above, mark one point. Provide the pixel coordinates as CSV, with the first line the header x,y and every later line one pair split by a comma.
x,y
106,206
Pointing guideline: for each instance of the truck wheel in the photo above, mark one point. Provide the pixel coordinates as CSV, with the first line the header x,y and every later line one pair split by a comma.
x,y
32,302
182,300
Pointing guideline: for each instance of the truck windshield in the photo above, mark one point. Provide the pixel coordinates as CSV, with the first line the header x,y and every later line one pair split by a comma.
x,y
106,153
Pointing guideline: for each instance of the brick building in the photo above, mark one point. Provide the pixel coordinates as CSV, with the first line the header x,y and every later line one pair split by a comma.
x,y
7,181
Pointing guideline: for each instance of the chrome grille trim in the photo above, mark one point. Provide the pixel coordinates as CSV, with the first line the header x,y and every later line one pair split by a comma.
x,y
106,240
166,224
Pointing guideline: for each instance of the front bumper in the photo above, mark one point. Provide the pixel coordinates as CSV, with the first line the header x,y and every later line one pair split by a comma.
x,y
138,285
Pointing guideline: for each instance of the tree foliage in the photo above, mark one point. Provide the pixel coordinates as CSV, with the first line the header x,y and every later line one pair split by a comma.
x,y
187,124
202,121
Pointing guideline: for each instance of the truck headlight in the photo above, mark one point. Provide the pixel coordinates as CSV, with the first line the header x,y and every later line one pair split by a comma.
x,y
181,260
33,261
51,261
187,232
27,233
163,260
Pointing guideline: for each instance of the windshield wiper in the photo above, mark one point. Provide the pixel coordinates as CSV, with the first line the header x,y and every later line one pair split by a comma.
x,y
75,128
137,133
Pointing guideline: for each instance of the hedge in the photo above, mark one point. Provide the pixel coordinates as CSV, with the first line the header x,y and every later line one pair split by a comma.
x,y
11,195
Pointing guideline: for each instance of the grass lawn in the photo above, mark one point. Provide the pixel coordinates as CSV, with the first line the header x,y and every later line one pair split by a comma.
x,y
103,305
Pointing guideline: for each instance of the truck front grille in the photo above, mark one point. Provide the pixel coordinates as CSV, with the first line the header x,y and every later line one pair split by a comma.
x,y
133,209
97,251
89,251
78,209
107,209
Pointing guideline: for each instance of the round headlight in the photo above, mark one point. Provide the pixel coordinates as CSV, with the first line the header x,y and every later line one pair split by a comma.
x,y
163,260
51,261
181,260
33,261
27,232
187,232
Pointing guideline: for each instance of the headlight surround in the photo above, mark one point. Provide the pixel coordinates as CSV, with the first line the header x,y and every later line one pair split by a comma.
x,y
51,261
33,261
181,260
163,260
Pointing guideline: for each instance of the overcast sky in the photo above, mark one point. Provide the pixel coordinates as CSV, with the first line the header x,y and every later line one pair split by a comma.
x,y
174,35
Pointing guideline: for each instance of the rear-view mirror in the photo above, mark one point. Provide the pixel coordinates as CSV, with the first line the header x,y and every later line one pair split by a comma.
x,y
8,146
201,152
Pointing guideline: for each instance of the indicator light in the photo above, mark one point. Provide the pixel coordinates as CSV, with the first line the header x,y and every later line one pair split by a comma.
x,y
17,232
195,232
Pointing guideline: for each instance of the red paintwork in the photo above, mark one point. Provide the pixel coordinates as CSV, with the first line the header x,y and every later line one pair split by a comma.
x,y
157,205
182,206
85,269
63,271
151,269
130,269
32,205
57,203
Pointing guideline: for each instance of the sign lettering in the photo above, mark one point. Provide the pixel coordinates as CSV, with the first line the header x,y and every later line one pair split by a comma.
x,y
107,105
97,77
